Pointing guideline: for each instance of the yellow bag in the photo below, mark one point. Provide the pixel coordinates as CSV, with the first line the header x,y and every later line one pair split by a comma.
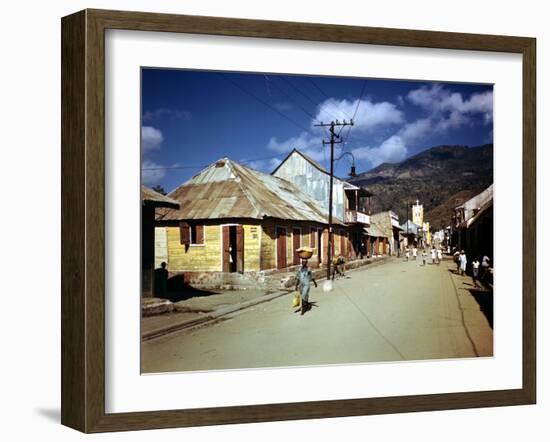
x,y
296,300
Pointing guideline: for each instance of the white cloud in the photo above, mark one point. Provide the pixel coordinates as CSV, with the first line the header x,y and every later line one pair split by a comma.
x,y
266,166
303,141
448,110
392,150
437,99
151,173
151,139
416,130
369,115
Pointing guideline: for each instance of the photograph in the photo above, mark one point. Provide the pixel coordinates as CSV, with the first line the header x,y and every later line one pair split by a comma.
x,y
296,220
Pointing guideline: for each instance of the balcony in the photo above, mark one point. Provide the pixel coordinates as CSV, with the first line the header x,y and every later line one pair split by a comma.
x,y
355,217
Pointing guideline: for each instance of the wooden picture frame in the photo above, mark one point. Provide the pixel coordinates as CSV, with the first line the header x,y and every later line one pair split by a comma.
x,y
83,220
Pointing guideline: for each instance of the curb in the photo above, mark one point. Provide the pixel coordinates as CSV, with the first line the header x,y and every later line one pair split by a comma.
x,y
217,314
210,317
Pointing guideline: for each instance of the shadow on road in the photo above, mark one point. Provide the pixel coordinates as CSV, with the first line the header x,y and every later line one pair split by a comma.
x,y
485,300
309,307
178,290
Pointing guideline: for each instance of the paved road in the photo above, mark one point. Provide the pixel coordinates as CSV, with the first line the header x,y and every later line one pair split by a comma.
x,y
395,311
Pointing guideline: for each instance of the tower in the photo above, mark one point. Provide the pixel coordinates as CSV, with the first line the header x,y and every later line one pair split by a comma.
x,y
418,214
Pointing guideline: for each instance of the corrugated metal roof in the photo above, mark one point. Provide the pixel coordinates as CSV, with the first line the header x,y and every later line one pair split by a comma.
x,y
473,219
149,196
410,227
476,202
375,231
226,189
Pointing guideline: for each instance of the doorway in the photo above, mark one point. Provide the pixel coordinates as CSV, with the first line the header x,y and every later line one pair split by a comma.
x,y
233,249
281,247
319,246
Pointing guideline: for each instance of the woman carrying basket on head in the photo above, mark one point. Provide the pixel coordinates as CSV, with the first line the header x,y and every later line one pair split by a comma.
x,y
304,278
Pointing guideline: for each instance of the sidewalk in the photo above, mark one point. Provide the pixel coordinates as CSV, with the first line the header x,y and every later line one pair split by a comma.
x,y
476,305
204,309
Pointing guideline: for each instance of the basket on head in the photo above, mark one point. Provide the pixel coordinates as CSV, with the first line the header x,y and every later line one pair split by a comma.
x,y
305,252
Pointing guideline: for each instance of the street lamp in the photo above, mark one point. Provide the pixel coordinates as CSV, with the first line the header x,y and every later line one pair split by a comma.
x,y
352,173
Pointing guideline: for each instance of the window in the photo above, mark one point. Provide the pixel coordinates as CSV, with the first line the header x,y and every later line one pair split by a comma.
x,y
191,234
312,238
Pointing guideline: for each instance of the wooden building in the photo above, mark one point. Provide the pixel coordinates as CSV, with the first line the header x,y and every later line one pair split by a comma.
x,y
473,225
350,204
388,224
233,219
150,201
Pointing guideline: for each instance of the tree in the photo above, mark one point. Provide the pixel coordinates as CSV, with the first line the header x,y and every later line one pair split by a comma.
x,y
158,188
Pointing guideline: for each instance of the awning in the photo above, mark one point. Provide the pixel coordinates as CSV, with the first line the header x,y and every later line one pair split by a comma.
x,y
374,231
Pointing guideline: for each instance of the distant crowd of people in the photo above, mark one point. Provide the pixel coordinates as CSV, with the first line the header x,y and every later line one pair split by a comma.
x,y
480,266
436,255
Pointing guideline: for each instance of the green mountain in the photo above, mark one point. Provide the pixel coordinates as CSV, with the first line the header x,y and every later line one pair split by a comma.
x,y
433,177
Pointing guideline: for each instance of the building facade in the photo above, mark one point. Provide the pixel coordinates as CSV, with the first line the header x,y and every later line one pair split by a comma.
x,y
233,219
350,204
473,225
388,223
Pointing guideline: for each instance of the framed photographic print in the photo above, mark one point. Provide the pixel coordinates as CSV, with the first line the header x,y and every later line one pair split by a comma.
x,y
268,221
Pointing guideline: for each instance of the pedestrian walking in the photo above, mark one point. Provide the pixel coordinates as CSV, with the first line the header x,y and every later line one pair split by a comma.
x,y
456,257
304,278
338,266
463,261
415,253
439,256
424,257
475,272
432,255
485,263
407,253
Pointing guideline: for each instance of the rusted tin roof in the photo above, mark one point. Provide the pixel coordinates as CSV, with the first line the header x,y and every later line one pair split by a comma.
x,y
151,198
375,231
226,189
467,224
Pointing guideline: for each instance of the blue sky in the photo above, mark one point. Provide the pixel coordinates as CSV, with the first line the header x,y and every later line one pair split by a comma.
x,y
192,118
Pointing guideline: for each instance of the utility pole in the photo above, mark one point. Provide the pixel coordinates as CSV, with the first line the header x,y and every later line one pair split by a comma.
x,y
407,217
334,139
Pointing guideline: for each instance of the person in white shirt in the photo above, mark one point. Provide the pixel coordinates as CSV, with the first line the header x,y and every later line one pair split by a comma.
x,y
475,272
463,261
432,255
439,256
407,253
415,253
485,261
424,257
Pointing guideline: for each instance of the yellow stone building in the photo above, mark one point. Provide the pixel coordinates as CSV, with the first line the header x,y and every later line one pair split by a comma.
x,y
418,214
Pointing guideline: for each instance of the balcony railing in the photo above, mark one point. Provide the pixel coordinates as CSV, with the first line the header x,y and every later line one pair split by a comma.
x,y
353,216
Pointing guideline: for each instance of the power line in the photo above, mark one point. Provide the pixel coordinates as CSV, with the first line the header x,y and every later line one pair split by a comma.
x,y
265,103
249,160
306,96
356,109
172,167
292,99
326,96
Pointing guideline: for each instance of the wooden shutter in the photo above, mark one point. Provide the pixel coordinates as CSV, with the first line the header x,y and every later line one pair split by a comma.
x,y
184,233
200,234
312,237
240,249
281,247
225,249
295,245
